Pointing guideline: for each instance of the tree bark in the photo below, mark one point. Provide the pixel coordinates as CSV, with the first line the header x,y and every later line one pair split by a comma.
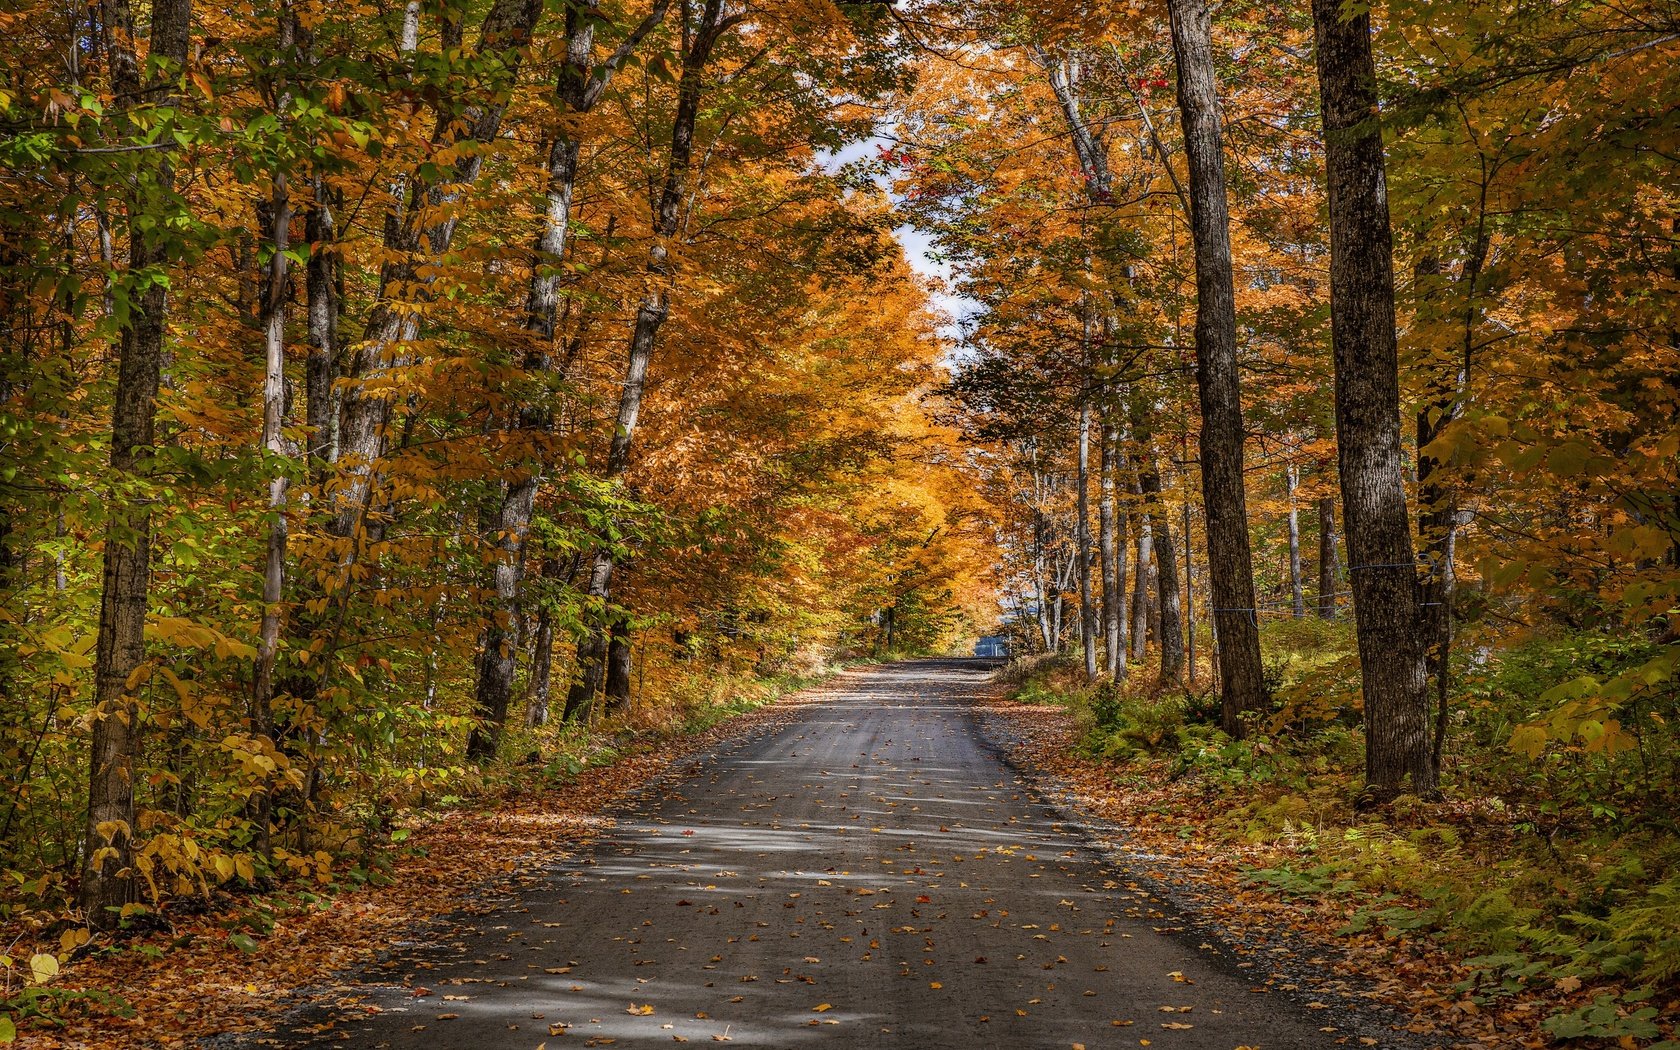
x,y
1082,538
651,312
1439,517
321,403
1166,580
1327,571
275,291
1141,599
1362,321
1297,586
410,239
1111,545
542,651
617,688
108,880
577,88
1218,380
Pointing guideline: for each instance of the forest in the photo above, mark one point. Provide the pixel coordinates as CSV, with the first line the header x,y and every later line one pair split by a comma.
x,y
406,407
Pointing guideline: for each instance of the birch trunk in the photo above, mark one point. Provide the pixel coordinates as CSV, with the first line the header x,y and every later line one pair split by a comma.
x,y
1297,586
1141,599
321,405
412,238
1082,540
651,312
577,88
1112,554
1171,634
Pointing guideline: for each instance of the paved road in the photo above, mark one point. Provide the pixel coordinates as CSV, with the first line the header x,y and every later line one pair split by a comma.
x,y
871,875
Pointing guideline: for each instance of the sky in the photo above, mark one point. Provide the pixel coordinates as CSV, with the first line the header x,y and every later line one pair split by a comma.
x,y
918,245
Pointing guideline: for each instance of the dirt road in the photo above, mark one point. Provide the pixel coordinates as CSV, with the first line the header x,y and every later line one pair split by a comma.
x,y
873,874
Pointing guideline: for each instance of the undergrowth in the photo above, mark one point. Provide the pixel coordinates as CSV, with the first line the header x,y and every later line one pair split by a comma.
x,y
1558,872
38,939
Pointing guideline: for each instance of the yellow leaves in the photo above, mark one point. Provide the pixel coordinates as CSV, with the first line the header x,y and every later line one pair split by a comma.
x,y
640,1011
190,634
42,967
822,1008
1528,740
260,760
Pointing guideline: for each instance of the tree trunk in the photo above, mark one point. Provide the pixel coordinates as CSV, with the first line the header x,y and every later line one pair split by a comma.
x,y
424,230
1297,586
651,312
1112,552
108,880
1041,579
321,403
577,88
1166,581
542,653
1327,571
1218,381
273,320
1141,585
617,687
1082,537
1189,588
1439,517
499,642
1384,567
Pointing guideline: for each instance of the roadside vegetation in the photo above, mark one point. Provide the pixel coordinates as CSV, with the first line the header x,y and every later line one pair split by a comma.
x,y
1552,874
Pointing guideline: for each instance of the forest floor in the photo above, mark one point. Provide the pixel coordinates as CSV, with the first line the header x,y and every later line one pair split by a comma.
x,y
239,963
897,858
1175,832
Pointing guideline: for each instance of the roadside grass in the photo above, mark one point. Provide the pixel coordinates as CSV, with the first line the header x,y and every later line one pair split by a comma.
x,y
1556,874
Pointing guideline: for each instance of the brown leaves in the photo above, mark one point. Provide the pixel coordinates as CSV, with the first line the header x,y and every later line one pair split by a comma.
x,y
310,943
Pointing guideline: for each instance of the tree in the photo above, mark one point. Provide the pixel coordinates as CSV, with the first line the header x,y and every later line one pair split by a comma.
x,y
651,311
1218,380
1383,572
139,83
578,87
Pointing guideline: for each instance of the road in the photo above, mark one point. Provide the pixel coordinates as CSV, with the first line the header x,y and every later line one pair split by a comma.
x,y
872,874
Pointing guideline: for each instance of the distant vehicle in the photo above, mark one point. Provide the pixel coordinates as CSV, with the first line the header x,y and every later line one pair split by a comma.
x,y
993,647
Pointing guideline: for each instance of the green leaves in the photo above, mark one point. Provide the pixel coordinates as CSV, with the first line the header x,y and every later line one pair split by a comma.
x,y
1605,1018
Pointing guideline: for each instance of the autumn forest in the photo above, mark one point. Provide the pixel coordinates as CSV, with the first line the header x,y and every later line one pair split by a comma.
x,y
423,425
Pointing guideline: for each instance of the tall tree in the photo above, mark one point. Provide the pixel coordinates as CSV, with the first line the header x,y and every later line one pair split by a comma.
x,y
138,83
418,230
578,88
1383,567
1218,378
651,311
1169,595
1082,531
1297,586
1113,547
